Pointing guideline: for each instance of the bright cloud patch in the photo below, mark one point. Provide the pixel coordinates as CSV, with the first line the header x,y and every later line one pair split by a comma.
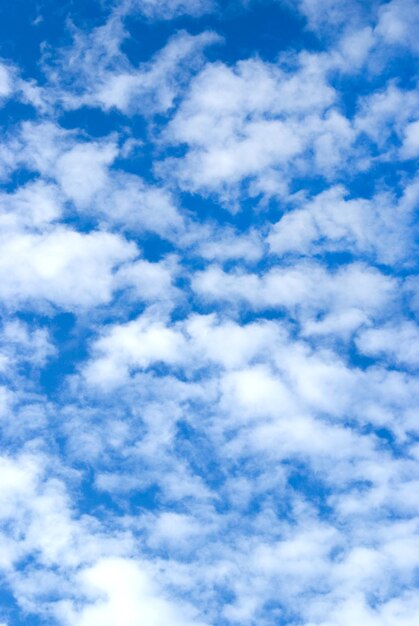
x,y
209,294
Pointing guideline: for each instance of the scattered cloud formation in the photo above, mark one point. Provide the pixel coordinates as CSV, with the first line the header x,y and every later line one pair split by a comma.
x,y
209,302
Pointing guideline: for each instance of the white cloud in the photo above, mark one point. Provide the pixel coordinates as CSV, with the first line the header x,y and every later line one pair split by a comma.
x,y
135,345
81,168
154,88
410,147
301,288
266,118
127,201
33,205
331,222
254,392
84,176
125,591
192,343
398,23
30,503
355,610
337,324
386,112
150,281
103,76
400,343
175,531
82,171
62,267
209,337
21,343
228,244
330,16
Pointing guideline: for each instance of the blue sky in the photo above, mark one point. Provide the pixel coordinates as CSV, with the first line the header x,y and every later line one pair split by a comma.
x,y
209,296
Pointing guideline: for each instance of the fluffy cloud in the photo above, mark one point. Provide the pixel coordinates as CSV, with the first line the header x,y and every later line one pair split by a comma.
x,y
410,147
301,289
61,267
128,594
397,23
379,227
257,125
400,343
209,416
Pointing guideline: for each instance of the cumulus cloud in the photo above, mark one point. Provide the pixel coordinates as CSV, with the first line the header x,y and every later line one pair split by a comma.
x,y
256,126
61,267
410,147
379,227
301,289
397,23
209,305
129,594
400,343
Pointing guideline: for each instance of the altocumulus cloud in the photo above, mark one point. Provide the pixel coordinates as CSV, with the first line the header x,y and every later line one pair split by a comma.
x,y
209,300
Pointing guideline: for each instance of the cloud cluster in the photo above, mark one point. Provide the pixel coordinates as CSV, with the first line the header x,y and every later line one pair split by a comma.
x,y
209,302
